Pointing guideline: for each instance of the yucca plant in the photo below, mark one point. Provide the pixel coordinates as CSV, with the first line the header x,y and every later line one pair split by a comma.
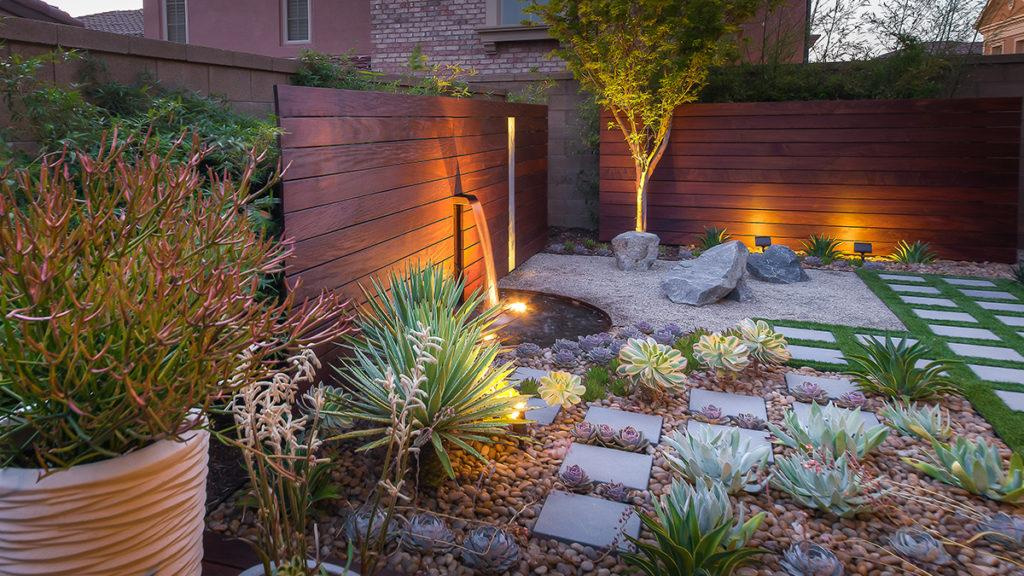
x,y
765,344
696,532
466,398
129,289
833,485
822,247
713,236
654,368
722,353
924,421
830,428
916,252
725,456
976,467
890,368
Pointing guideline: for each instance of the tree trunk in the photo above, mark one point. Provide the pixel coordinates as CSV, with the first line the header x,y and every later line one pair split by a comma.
x,y
643,179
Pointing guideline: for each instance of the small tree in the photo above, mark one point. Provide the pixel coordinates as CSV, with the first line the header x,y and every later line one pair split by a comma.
x,y
642,59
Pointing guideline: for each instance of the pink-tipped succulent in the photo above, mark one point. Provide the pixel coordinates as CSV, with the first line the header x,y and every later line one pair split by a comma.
x,y
606,434
631,439
853,399
710,414
749,421
615,492
809,392
583,432
575,479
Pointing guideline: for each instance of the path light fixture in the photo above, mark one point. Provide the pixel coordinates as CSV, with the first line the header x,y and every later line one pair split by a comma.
x,y
762,242
862,248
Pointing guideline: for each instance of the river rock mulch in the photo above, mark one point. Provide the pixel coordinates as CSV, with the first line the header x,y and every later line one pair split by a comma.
x,y
512,489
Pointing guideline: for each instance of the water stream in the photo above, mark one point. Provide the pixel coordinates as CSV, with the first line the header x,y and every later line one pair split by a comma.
x,y
484,234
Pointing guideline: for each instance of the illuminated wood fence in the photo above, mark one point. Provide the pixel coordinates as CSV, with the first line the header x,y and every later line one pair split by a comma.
x,y
942,171
371,177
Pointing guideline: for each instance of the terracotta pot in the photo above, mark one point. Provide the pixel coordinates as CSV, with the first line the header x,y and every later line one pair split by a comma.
x,y
134,515
331,569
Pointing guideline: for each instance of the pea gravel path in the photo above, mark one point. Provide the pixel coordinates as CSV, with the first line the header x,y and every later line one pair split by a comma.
x,y
830,297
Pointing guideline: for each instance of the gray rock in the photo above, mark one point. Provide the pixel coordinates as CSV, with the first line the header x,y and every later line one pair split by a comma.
x,y
635,250
741,293
709,277
778,265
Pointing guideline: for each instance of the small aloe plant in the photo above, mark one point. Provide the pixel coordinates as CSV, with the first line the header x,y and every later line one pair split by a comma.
x,y
829,484
830,428
919,546
722,353
765,344
561,389
977,467
806,558
921,420
653,367
724,456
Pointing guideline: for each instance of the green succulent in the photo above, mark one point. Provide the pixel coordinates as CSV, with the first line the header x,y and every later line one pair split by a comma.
x,y
721,353
824,483
654,367
725,456
830,428
824,247
765,344
713,236
976,467
917,252
924,421
890,368
561,389
695,532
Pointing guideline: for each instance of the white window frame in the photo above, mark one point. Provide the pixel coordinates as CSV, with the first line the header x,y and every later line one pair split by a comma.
x,y
309,23
163,16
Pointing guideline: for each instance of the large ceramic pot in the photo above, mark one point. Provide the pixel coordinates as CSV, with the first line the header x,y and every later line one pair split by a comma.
x,y
134,515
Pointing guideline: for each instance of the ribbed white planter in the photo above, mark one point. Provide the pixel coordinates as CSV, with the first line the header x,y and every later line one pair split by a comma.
x,y
331,569
134,515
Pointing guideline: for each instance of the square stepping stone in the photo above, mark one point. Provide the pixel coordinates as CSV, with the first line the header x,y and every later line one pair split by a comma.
x,y
1015,400
539,411
755,437
806,334
864,338
961,332
611,465
523,373
970,282
901,278
619,419
1001,306
809,353
731,404
1012,320
587,520
944,315
990,352
926,301
803,409
990,294
835,387
998,373
914,289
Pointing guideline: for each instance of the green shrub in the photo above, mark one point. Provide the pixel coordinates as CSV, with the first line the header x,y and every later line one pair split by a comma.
x,y
695,532
422,77
529,387
976,467
917,252
830,428
596,380
823,247
889,368
712,236
685,345
466,399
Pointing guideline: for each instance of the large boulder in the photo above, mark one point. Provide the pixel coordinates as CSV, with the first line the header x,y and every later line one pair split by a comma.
x,y
778,265
709,277
635,250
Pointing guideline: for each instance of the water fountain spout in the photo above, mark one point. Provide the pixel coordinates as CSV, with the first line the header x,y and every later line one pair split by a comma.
x,y
484,233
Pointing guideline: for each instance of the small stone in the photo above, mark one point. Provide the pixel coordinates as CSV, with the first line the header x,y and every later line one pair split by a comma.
x,y
635,250
777,265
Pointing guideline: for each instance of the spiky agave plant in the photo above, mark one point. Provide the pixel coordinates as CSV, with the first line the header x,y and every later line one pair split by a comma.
x,y
825,248
765,344
830,428
916,252
977,467
466,398
696,531
724,456
890,368
654,367
713,236
833,485
921,420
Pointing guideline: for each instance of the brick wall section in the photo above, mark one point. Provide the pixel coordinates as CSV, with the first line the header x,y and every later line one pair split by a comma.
x,y
446,31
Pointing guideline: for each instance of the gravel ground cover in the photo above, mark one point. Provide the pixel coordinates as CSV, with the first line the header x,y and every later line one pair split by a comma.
x,y
831,296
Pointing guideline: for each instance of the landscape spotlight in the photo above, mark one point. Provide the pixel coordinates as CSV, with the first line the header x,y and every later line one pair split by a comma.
x,y
762,242
862,248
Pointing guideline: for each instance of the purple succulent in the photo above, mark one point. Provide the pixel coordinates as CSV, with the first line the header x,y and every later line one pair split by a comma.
x,y
528,350
581,249
615,492
631,439
1004,529
675,329
603,252
749,421
565,359
711,414
812,261
588,343
583,432
600,355
575,479
872,265
615,347
644,326
630,332
841,263
809,392
427,533
664,337
853,399
563,344
490,550
605,434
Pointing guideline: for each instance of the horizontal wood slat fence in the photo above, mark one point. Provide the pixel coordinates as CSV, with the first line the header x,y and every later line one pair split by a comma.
x,y
370,178
942,171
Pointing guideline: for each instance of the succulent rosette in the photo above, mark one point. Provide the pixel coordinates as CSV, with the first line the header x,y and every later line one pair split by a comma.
x,y
575,479
561,389
765,344
722,353
808,391
427,533
631,439
583,432
490,550
654,367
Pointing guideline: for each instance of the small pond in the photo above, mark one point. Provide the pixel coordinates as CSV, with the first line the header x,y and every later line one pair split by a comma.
x,y
542,318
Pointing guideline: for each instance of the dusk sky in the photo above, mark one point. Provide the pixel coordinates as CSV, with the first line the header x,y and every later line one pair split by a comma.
x,y
80,7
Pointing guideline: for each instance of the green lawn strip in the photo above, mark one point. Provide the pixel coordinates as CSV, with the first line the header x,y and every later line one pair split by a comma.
x,y
1007,423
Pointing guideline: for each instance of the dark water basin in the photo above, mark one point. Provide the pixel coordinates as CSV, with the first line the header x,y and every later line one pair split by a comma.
x,y
547,318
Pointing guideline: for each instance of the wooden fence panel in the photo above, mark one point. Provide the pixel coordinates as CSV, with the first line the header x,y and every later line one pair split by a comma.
x,y
370,178
942,171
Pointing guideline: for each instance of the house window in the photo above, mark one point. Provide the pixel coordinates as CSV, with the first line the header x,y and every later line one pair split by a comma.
x,y
296,18
1018,47
512,12
176,20
996,49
